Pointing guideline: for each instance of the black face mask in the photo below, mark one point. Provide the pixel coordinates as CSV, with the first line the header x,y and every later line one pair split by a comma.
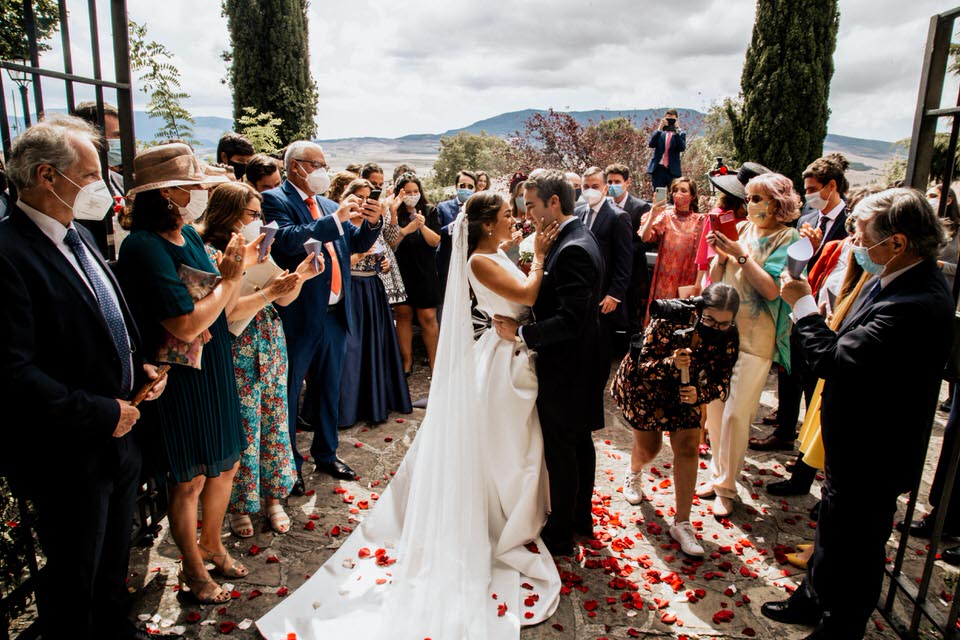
x,y
711,335
239,169
577,193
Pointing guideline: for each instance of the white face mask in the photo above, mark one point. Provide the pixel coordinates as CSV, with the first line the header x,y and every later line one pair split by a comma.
x,y
935,203
318,181
411,201
592,196
816,201
196,206
92,203
250,231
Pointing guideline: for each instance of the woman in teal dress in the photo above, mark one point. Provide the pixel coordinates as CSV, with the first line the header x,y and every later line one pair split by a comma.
x,y
196,425
260,360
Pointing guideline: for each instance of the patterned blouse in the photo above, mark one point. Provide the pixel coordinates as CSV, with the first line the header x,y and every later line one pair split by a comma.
x,y
647,385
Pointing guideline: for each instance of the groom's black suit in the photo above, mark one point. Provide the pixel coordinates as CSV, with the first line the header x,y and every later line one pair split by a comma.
x,y
564,335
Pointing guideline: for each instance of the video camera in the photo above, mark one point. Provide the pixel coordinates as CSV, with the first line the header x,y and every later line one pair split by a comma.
x,y
676,310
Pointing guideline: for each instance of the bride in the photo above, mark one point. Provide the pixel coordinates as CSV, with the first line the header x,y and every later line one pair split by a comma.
x,y
452,549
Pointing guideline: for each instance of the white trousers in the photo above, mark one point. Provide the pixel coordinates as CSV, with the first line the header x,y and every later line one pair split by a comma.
x,y
729,443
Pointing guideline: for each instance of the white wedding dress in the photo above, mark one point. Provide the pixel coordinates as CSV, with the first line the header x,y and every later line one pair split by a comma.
x,y
462,510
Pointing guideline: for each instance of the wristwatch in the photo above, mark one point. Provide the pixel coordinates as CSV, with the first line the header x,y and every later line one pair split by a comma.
x,y
743,259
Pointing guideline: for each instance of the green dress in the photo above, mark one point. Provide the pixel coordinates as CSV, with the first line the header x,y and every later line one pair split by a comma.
x,y
195,426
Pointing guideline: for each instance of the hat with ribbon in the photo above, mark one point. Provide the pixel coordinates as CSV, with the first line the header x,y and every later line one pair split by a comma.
x,y
171,165
735,184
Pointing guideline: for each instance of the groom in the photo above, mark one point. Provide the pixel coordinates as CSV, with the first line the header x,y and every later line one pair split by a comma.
x,y
564,337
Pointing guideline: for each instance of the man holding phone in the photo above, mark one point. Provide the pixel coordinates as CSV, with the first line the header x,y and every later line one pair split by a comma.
x,y
667,142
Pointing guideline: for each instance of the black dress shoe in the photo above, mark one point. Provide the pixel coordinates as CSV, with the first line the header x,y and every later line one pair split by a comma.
x,y
558,547
815,512
298,488
787,488
771,443
790,612
951,556
923,528
338,469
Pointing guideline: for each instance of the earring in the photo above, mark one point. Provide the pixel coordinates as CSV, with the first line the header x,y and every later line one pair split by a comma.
x,y
169,204
489,233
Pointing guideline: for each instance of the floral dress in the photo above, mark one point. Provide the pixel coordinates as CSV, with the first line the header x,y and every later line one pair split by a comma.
x,y
678,234
260,366
647,385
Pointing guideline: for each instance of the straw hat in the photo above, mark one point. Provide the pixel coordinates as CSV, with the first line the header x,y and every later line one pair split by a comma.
x,y
170,165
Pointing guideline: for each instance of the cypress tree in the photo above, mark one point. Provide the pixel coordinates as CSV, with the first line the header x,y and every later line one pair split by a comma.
x,y
785,85
270,64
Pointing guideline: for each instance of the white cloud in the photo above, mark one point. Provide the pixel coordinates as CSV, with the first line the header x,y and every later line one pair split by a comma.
x,y
433,65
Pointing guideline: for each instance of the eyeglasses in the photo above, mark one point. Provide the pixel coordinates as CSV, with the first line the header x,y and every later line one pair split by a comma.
x,y
316,164
257,215
464,185
756,199
712,323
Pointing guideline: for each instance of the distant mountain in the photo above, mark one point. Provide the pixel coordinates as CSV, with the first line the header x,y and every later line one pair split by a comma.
x,y
877,149
506,124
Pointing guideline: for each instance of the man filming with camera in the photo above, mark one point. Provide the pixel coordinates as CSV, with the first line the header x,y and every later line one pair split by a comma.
x,y
682,361
667,142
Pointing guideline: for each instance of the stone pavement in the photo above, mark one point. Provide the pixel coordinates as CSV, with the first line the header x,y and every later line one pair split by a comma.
x,y
720,598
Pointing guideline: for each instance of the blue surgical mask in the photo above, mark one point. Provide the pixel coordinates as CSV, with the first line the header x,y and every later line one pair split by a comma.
x,y
521,204
615,190
464,194
114,159
862,256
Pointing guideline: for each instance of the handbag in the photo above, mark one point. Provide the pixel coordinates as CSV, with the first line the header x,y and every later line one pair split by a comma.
x,y
172,349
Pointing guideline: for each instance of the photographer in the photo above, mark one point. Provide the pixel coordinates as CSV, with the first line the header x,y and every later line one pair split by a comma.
x,y
667,142
663,383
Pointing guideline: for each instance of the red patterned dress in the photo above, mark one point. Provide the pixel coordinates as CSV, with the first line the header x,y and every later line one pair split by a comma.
x,y
678,235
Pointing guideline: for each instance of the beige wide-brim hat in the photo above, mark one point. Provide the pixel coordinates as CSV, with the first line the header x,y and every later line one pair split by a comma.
x,y
170,165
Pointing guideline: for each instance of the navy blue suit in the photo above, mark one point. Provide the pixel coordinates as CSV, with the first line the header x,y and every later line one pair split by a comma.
x,y
315,332
661,175
447,212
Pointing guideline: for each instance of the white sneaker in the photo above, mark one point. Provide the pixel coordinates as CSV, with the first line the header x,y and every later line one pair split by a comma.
x,y
686,535
633,488
722,506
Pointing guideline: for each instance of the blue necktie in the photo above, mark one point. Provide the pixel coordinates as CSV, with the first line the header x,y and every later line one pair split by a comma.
x,y
111,313
874,291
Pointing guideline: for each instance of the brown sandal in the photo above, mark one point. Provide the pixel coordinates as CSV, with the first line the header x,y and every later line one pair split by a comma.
x,y
227,566
199,588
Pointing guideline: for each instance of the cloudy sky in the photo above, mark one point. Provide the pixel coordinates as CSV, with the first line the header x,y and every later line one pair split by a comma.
x,y
434,65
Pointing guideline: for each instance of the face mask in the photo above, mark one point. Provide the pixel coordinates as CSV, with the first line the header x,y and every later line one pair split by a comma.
x,y
464,194
318,181
521,204
250,231
862,256
757,213
935,203
816,201
114,158
411,201
592,196
710,335
92,203
615,191
196,206
681,201
577,192
239,169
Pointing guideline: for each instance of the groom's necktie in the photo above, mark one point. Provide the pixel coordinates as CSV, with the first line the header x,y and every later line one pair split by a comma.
x,y
111,312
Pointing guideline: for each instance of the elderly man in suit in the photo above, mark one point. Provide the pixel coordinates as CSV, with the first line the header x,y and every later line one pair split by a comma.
x,y
881,373
611,228
618,188
316,324
70,364
667,142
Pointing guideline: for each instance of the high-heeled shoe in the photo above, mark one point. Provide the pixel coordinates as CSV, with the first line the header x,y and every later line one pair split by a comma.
x,y
795,560
199,588
804,546
227,566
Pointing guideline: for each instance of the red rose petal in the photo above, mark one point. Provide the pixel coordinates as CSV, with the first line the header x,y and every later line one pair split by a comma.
x,y
748,631
273,560
227,626
528,615
363,553
335,531
235,594
282,591
501,610
193,617
256,593
310,526
254,550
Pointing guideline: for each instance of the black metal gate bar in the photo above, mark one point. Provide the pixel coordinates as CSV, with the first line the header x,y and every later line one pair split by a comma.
x,y
49,73
121,58
67,54
29,19
4,121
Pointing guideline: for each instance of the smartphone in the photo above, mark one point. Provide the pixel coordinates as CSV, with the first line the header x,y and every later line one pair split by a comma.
x,y
375,194
714,221
660,195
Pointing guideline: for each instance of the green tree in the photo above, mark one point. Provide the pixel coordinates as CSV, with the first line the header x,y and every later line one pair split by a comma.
x,y
13,32
261,130
712,139
896,167
470,151
160,79
270,66
785,85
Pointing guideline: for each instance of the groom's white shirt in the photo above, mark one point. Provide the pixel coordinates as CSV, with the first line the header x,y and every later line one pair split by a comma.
x,y
565,223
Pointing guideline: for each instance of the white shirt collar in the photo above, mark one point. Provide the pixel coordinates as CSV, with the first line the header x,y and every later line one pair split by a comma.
x,y
49,226
886,280
833,213
303,194
596,208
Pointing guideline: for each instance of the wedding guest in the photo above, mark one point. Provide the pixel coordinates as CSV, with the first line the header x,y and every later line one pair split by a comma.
x,y
893,346
667,142
339,183
518,209
60,297
753,265
263,172
401,169
391,278
577,183
373,380
414,236
372,172
677,229
199,434
650,390
317,322
951,222
235,150
483,181
447,212
259,360
619,174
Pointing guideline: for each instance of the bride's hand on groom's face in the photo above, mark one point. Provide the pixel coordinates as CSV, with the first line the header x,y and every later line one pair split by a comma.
x,y
546,234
